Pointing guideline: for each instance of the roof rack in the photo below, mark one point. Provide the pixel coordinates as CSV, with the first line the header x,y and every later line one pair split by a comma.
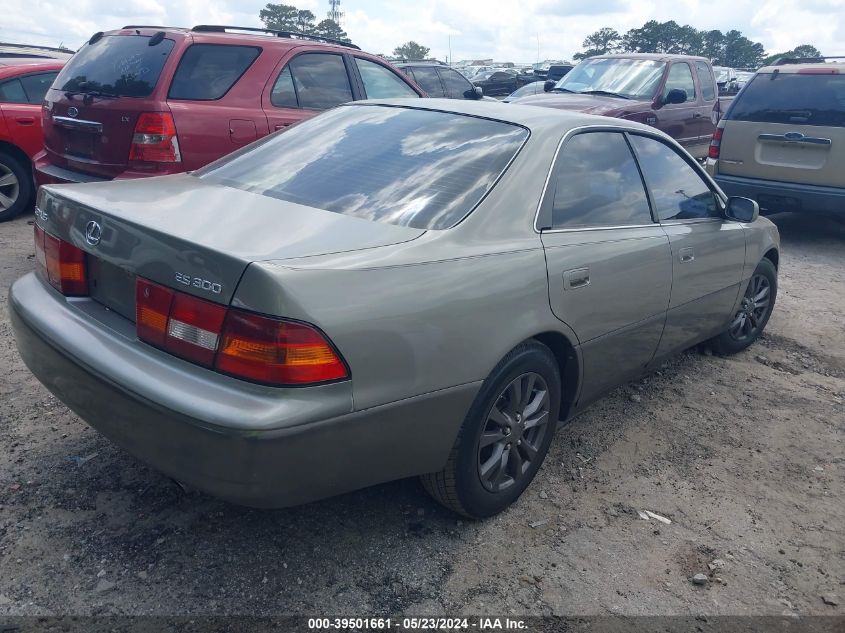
x,y
57,49
399,60
805,60
153,26
215,28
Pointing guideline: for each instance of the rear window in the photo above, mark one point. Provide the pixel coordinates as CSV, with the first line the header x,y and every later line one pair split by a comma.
x,y
792,98
206,72
402,166
119,65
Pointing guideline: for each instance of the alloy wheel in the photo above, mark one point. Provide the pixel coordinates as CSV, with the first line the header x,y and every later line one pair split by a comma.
x,y
753,310
513,433
9,187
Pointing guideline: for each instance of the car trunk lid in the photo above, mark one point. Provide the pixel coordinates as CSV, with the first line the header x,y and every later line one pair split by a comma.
x,y
193,235
92,108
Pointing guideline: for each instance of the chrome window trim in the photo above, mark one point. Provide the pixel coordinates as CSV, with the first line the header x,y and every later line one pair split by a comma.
x,y
580,229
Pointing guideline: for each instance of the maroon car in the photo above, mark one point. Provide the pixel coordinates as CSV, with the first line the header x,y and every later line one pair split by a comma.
x,y
674,93
144,101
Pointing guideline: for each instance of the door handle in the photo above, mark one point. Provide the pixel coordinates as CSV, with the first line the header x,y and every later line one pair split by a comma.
x,y
576,278
281,126
26,120
686,254
697,115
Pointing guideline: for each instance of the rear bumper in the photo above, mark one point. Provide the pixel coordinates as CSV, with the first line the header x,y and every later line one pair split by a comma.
x,y
46,173
775,197
260,447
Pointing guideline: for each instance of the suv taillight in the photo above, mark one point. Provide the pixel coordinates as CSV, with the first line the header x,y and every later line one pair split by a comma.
x,y
242,344
61,264
155,139
715,143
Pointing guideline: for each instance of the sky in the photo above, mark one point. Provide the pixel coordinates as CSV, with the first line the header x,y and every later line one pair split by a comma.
x,y
505,30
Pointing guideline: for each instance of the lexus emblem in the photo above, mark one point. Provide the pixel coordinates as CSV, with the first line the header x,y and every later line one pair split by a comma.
x,y
93,232
71,111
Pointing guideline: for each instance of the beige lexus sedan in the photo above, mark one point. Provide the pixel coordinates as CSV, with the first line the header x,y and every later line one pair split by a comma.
x,y
389,289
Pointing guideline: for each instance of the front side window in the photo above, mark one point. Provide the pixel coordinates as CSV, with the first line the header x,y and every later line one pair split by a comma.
x,y
206,72
428,80
680,78
117,65
598,184
792,98
283,94
678,191
456,83
321,80
396,165
705,78
12,92
381,82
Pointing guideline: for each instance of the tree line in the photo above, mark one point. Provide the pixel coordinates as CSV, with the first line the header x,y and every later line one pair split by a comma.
x,y
731,49
286,17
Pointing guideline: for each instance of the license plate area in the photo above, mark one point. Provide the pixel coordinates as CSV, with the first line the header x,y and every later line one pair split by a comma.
x,y
112,286
79,143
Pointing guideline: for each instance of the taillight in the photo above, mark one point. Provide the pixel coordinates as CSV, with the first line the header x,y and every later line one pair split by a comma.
x,y
61,264
715,143
235,342
155,139
276,352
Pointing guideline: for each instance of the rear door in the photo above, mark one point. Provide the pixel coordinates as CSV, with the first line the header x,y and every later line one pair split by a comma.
x,y
93,105
788,127
708,251
20,106
304,85
708,113
609,264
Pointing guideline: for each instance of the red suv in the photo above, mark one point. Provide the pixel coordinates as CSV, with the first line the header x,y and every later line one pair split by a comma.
x,y
148,100
23,84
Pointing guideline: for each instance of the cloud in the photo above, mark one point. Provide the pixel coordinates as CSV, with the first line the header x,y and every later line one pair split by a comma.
x,y
500,29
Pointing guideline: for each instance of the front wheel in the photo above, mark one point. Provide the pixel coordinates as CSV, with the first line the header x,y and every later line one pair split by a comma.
x,y
504,437
754,311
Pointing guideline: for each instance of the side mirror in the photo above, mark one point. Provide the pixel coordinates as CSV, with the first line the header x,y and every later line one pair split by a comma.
x,y
547,87
675,95
742,209
473,93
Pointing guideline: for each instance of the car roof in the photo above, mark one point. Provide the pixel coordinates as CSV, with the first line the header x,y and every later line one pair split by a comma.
x,y
536,119
659,57
13,66
821,68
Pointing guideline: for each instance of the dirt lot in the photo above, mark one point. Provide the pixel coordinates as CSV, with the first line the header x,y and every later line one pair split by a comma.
x,y
744,455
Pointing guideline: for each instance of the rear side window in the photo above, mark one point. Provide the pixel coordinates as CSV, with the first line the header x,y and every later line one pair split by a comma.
x,y
598,183
428,80
402,166
680,78
705,78
456,84
381,82
206,72
320,80
678,191
119,65
12,92
792,98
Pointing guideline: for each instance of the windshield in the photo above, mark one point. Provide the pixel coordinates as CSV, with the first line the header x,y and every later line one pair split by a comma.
x,y
632,78
416,168
117,65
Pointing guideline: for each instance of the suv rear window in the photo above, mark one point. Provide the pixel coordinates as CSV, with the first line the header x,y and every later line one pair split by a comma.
x,y
809,99
416,168
119,65
206,72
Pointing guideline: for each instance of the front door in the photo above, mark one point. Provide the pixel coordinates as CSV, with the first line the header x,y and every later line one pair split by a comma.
x,y
708,251
609,264
680,120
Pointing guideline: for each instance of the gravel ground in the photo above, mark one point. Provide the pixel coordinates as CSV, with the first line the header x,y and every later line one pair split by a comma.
x,y
743,454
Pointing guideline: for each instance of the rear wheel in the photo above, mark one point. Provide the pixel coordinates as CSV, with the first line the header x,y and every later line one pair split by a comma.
x,y
15,186
754,311
505,436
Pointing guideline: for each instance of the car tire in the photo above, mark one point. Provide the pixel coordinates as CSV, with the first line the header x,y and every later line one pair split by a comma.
x,y
504,437
16,186
753,315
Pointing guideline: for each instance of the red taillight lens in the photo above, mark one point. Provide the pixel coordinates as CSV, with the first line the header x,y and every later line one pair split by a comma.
x,y
40,257
715,143
193,329
276,352
155,139
152,307
64,264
